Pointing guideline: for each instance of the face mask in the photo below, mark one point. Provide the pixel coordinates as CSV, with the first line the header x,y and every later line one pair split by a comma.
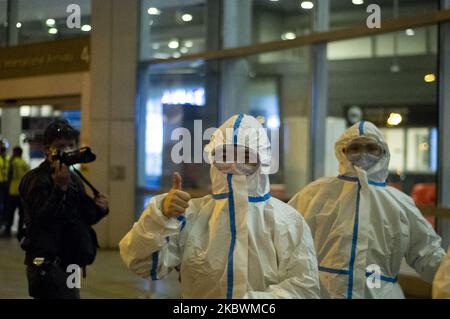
x,y
236,168
364,160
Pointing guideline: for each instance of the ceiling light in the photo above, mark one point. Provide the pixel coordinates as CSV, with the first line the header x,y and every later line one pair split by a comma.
x,y
288,36
187,17
188,44
53,31
25,110
358,2
307,5
154,11
86,28
410,32
184,50
174,44
18,25
50,22
429,78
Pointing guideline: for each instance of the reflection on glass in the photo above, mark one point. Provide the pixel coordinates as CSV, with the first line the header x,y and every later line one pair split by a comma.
x,y
280,20
390,80
36,22
3,23
170,29
175,97
274,87
347,13
398,44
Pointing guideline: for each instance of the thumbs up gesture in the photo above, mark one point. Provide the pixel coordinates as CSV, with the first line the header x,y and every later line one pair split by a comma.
x,y
176,202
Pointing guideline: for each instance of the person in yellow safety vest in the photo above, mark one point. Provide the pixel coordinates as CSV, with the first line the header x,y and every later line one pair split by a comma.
x,y
17,169
4,167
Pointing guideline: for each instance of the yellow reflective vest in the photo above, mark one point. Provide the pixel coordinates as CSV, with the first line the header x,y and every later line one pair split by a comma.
x,y
19,168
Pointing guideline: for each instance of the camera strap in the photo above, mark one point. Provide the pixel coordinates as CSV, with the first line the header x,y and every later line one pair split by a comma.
x,y
94,190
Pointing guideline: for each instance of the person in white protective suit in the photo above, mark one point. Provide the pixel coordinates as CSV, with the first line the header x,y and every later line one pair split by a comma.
x,y
236,243
441,284
362,228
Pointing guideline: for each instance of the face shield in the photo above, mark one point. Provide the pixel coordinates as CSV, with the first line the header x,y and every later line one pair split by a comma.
x,y
364,152
235,160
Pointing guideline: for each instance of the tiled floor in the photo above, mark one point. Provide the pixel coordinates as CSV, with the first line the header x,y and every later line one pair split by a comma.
x,y
107,278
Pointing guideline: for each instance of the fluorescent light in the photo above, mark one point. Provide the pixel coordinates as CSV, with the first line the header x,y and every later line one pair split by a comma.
x,y
410,32
18,25
274,0
358,2
430,78
46,110
25,110
154,11
187,17
307,5
86,28
188,44
174,44
53,31
50,22
288,36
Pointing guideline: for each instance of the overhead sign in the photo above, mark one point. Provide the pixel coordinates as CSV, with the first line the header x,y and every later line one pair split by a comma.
x,y
62,56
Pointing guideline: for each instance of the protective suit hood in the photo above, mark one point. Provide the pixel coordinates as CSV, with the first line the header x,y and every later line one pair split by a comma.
x,y
377,173
242,130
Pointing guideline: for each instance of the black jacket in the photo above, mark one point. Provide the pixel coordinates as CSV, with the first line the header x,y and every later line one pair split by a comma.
x,y
50,213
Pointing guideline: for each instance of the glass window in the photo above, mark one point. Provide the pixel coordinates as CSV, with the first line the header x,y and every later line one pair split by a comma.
x,y
395,87
41,21
410,42
172,28
3,22
178,102
347,13
279,20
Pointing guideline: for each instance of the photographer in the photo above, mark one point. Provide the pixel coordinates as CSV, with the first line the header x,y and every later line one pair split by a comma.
x,y
58,218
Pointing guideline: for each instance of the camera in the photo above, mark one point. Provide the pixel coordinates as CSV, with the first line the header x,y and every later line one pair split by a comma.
x,y
82,156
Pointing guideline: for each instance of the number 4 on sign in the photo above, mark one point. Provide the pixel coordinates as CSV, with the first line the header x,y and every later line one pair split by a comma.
x,y
374,19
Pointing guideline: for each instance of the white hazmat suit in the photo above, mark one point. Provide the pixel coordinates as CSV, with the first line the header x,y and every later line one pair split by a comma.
x,y
237,243
362,228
